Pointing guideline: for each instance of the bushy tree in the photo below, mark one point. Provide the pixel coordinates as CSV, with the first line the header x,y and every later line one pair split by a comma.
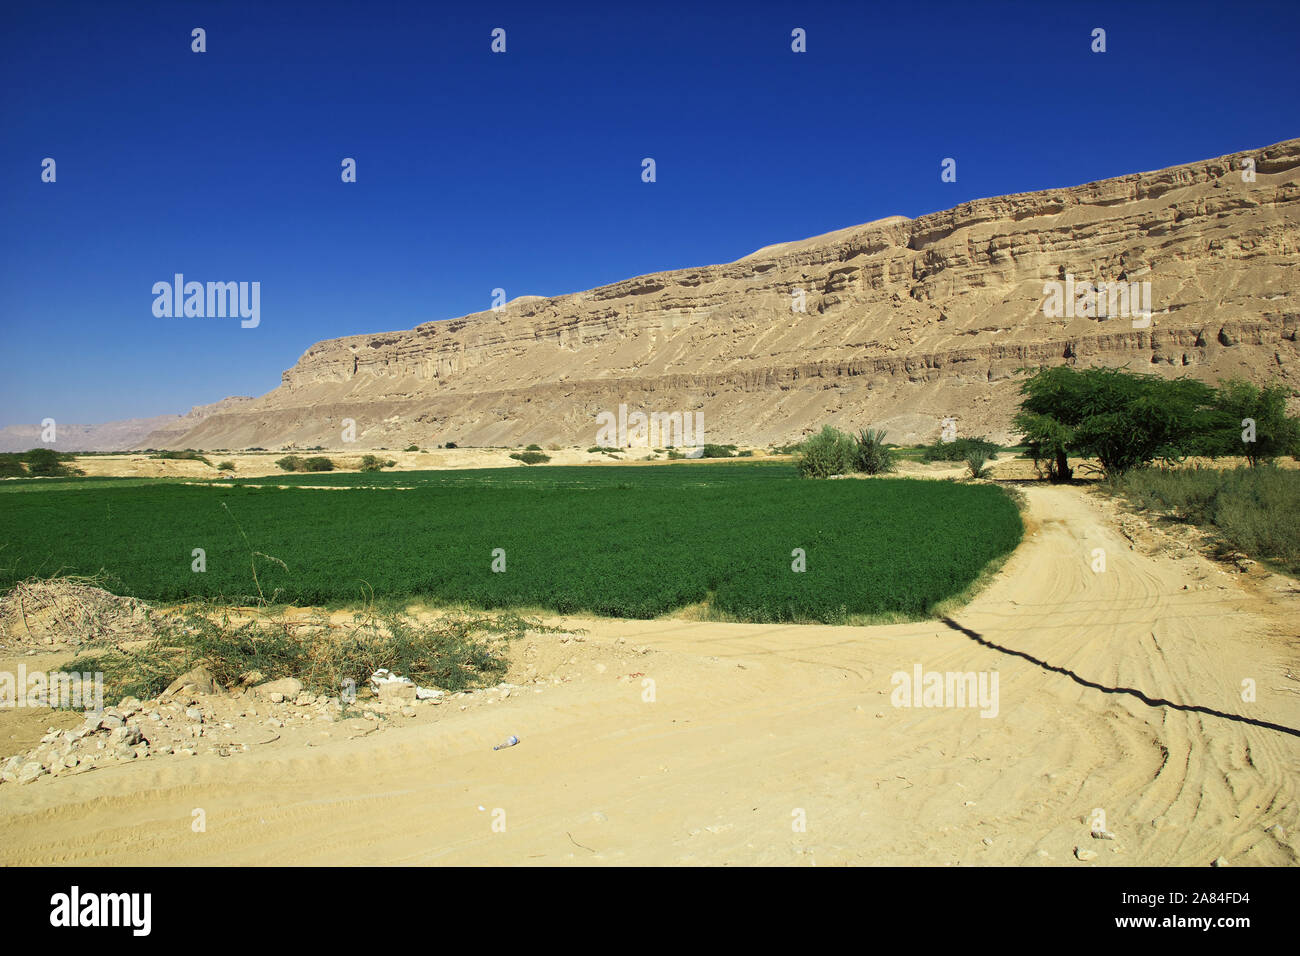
x,y
1252,422
42,461
1121,418
829,452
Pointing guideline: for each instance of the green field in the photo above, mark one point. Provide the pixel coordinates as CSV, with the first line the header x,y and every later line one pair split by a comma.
x,y
621,541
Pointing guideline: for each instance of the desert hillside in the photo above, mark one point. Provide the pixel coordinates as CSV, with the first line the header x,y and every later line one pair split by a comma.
x,y
906,322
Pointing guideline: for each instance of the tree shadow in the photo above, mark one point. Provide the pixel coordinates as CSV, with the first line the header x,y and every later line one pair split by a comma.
x,y
1132,692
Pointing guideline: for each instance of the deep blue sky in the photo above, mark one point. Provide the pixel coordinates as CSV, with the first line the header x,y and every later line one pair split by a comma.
x,y
522,170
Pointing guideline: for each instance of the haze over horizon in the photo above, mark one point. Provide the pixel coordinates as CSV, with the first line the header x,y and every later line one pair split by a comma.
x,y
522,170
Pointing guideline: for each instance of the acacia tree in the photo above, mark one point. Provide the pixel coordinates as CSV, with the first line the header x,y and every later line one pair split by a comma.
x,y
1121,418
1047,417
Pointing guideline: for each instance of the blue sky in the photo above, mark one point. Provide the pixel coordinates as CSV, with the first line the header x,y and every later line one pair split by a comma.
x,y
522,170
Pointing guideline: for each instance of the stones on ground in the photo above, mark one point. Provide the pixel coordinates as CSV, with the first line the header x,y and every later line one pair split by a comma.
x,y
124,736
1084,855
396,691
287,687
197,681
1102,835
1221,861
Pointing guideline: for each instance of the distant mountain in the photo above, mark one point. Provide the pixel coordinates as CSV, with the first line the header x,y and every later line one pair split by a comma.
x,y
125,435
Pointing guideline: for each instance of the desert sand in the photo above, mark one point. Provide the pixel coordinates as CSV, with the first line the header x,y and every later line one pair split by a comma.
x,y
1119,691
263,464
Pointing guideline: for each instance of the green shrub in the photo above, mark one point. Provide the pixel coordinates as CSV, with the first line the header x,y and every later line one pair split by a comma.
x,y
872,457
318,463
48,463
829,452
975,462
189,454
719,451
533,448
290,463
42,461
959,449
225,466
456,652
412,448
375,463
531,457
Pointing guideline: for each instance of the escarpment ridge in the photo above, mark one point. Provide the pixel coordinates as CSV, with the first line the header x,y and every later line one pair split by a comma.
x,y
898,323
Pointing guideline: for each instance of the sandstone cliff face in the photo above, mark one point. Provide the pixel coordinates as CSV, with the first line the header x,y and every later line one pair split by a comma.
x,y
907,322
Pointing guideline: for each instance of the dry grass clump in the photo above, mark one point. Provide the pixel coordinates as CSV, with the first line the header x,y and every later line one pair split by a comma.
x,y
72,610
456,651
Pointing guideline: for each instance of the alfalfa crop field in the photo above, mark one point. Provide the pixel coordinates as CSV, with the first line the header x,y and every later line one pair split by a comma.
x,y
750,542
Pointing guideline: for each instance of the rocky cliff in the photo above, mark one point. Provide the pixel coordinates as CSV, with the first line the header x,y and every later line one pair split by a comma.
x,y
905,322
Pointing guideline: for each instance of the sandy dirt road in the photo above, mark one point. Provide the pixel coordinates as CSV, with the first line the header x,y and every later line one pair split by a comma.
x,y
1118,692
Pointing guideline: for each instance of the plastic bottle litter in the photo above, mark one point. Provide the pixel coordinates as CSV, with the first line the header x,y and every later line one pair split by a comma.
x,y
508,742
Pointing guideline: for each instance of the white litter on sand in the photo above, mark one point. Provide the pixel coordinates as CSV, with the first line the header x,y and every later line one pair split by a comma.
x,y
385,676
